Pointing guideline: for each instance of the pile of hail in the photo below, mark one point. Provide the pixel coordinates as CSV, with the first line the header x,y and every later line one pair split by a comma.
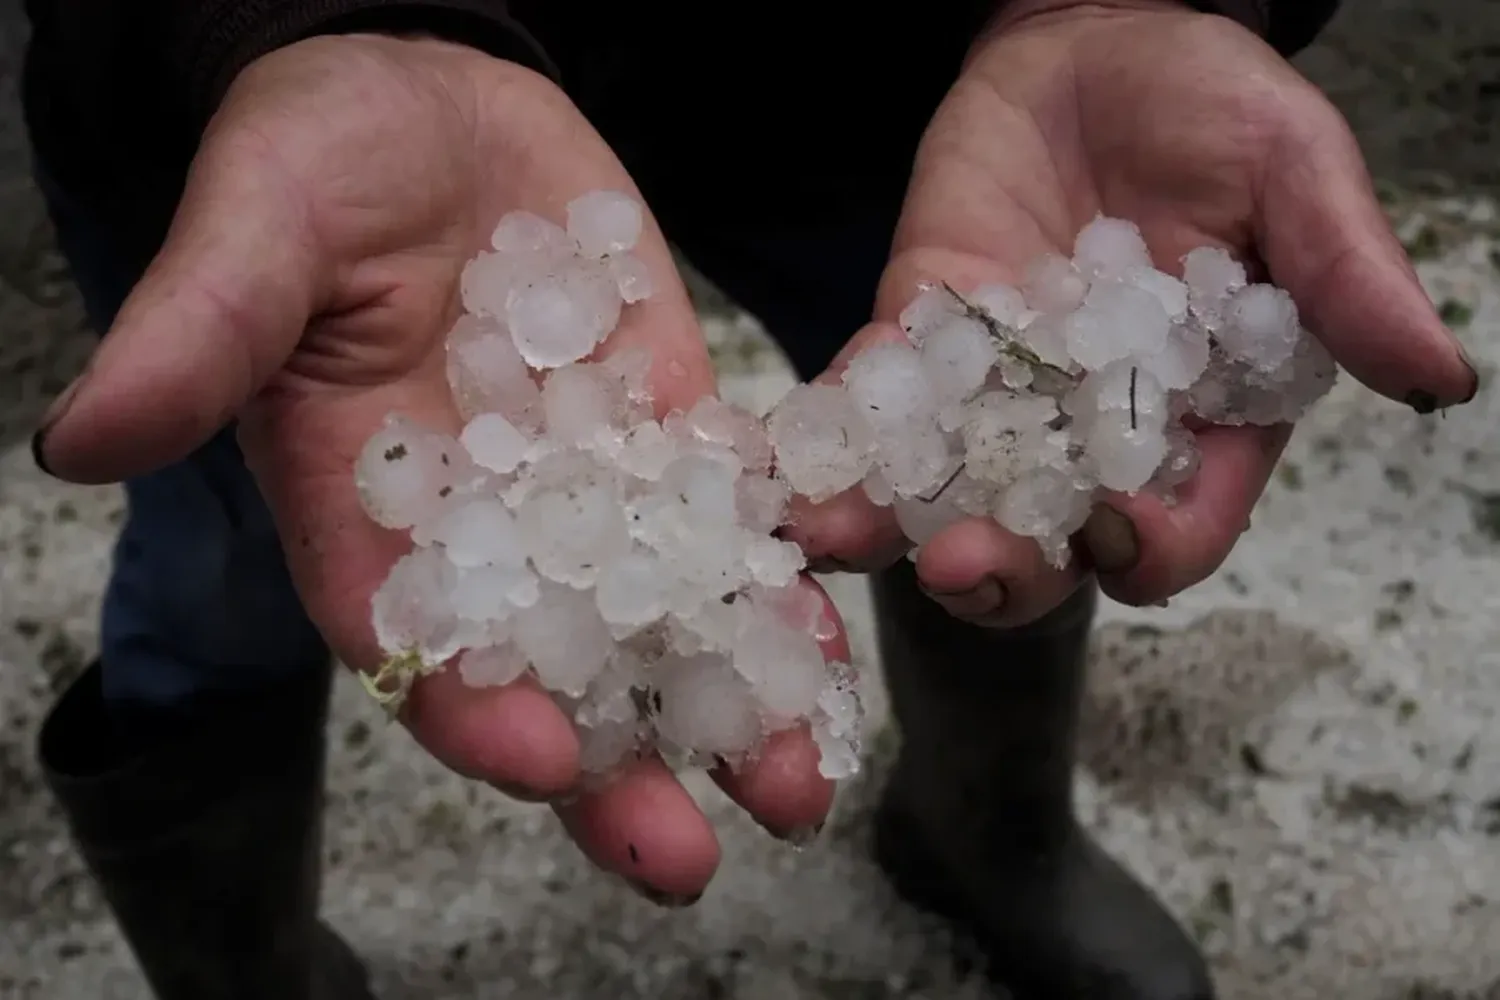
x,y
1021,404
630,565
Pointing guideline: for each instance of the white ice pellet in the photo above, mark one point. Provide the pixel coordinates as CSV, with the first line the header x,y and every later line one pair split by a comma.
x,y
823,445
1260,327
957,356
604,223
1004,304
632,277
494,442
491,666
1107,248
480,533
1054,285
562,317
487,374
706,706
1212,276
528,234
630,564
404,473
932,307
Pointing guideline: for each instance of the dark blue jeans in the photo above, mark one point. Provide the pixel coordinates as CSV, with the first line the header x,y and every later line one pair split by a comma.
x,y
199,605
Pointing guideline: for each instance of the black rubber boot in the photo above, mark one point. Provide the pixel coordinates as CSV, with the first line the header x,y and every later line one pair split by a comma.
x,y
207,844
977,823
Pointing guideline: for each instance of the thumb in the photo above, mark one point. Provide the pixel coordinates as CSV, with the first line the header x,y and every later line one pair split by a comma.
x,y
214,316
1326,240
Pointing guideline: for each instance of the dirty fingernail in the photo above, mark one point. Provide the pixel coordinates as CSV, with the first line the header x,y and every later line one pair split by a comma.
x,y
1111,540
666,900
982,600
55,412
1474,378
828,564
1421,400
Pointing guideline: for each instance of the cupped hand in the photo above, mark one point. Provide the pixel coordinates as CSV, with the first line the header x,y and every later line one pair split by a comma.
x,y
1193,128
305,288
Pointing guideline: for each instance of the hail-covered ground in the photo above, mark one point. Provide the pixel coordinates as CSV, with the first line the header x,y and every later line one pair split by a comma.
x,y
627,559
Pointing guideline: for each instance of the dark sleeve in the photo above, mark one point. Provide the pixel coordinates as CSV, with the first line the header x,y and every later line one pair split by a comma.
x,y
208,42
1289,25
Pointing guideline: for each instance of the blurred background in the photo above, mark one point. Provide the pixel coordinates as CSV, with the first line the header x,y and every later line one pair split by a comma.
x,y
1302,754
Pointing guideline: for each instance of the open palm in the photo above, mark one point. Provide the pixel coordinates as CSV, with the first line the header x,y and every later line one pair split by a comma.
x,y
305,289
1197,131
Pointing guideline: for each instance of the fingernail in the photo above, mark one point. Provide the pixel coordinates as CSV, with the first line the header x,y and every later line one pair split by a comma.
x,y
804,836
54,413
1422,401
666,900
828,564
1474,378
982,600
1111,540
38,452
520,793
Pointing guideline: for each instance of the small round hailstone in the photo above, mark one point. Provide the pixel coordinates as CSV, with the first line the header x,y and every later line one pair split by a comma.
x,y
571,533
564,316
604,222
485,284
784,667
1046,336
487,374
491,666
1181,463
1126,458
577,404
1115,322
1004,433
494,442
1181,360
632,277
632,590
1053,285
957,357
772,562
646,451
1122,388
705,706
526,233
404,473
1212,276
409,609
1044,504
889,387
877,487
761,502
1004,304
490,594
822,443
911,463
1260,327
604,745
933,306
480,532
1171,292
724,424
564,638
1107,248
